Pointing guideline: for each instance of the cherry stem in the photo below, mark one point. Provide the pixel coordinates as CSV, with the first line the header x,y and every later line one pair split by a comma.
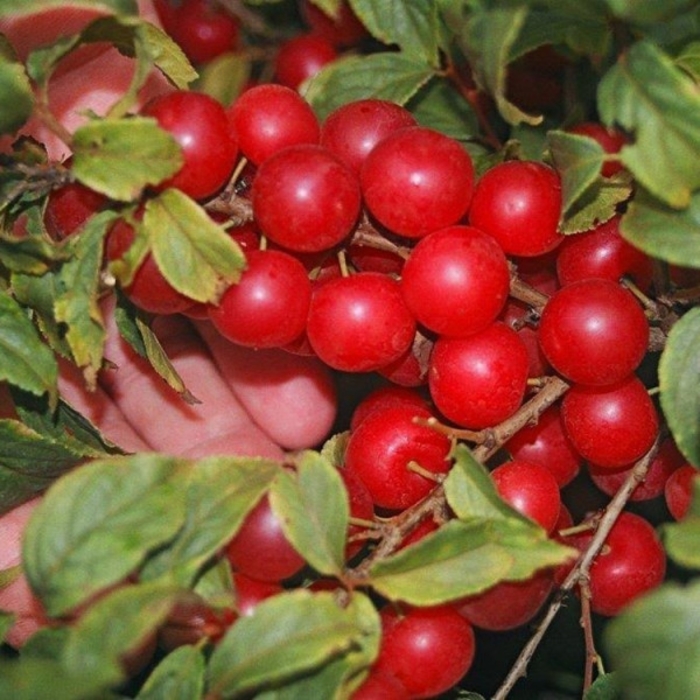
x,y
587,625
580,570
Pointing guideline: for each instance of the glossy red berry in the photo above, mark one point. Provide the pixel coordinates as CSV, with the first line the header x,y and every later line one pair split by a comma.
x,y
385,397
594,332
301,58
417,180
354,129
201,128
678,490
519,204
456,281
250,592
383,446
428,649
305,199
268,306
531,489
359,323
610,426
480,380
268,117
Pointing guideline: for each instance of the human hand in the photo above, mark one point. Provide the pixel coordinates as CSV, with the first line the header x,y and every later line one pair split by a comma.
x,y
251,402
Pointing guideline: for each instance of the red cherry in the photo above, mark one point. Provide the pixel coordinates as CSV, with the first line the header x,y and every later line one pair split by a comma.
x,y
361,507
201,128
678,490
519,204
385,397
250,592
380,686
301,58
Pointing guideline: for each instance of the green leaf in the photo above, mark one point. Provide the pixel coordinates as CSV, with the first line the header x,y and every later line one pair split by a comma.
x,y
29,7
312,505
330,7
134,328
387,76
17,96
25,360
167,55
225,77
489,33
179,676
681,541
195,254
679,375
6,621
578,159
412,26
597,204
654,645
120,157
78,288
664,232
333,449
641,12
30,462
32,255
604,688
439,106
471,493
289,635
97,524
219,494
648,95
688,59
115,625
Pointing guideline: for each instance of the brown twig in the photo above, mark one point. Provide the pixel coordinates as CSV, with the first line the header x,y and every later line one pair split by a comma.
x,y
580,571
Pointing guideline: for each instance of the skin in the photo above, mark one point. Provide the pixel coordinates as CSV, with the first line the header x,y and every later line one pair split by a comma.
x,y
251,402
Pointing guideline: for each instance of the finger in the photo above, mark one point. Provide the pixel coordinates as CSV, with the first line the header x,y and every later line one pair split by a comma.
x,y
291,397
17,597
218,424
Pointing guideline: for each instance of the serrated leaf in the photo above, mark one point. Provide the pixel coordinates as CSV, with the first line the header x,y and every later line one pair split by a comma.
x,y
662,231
219,494
646,94
388,76
97,524
489,34
167,56
76,305
225,77
640,12
17,96
679,374
439,106
288,635
578,160
597,204
689,60
29,7
120,157
115,625
412,26
312,505
178,676
194,253
25,360
654,645
333,450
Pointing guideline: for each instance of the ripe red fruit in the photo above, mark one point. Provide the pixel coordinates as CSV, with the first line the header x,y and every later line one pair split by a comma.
x,y
429,650
260,550
301,58
508,604
384,444
267,308
678,490
631,563
611,426
305,199
666,461
519,204
594,332
547,444
385,397
456,281
602,252
148,289
203,29
354,129
359,323
380,686
249,592
531,489
361,507
417,180
480,380
610,140
201,128
268,117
